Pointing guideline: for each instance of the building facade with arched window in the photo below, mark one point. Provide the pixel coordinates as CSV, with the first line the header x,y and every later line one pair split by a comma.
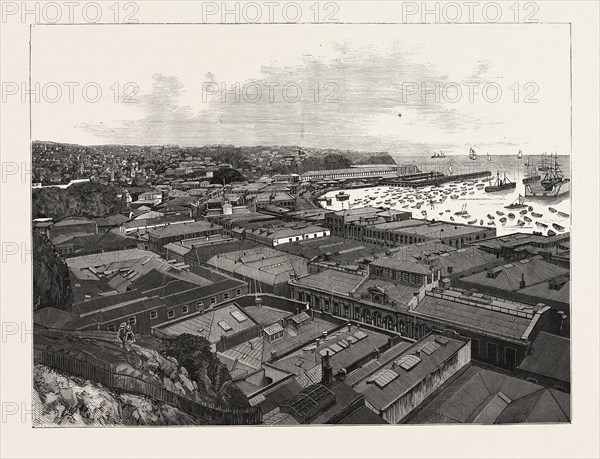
x,y
500,330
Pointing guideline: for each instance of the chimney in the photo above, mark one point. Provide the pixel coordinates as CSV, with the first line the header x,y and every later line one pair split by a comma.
x,y
327,371
563,318
538,306
349,326
258,302
418,353
522,284
450,269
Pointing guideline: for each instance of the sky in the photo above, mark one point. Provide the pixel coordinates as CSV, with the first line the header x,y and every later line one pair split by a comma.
x,y
404,89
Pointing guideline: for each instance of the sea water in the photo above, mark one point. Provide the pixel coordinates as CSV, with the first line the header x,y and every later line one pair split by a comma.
x,y
479,204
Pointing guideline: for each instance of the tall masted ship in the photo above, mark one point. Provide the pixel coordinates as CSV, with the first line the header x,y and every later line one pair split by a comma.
x,y
552,184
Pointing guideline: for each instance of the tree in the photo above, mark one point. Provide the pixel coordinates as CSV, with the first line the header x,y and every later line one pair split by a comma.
x,y
227,175
194,353
87,199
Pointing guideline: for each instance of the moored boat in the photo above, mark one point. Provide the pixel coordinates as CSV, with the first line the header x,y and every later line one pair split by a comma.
x,y
551,233
518,204
553,184
501,184
563,214
536,215
558,227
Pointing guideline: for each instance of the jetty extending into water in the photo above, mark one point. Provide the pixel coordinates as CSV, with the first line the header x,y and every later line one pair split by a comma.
x,y
431,179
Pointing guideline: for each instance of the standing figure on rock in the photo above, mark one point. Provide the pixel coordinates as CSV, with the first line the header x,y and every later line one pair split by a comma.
x,y
121,335
129,338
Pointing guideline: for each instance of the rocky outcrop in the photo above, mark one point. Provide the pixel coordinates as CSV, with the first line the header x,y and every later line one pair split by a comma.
x,y
61,400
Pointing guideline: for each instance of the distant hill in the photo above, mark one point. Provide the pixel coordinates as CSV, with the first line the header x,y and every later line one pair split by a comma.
x,y
237,156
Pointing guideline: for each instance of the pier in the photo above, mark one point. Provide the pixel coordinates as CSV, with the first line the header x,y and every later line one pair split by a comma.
x,y
430,179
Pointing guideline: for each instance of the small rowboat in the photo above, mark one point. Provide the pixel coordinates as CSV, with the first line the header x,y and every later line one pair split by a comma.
x,y
472,222
523,212
527,219
551,233
541,225
552,209
563,214
536,215
511,216
558,227
503,220
520,223
499,212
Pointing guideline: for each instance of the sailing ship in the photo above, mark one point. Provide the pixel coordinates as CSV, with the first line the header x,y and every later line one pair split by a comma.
x,y
553,184
489,157
472,154
520,155
518,204
438,155
531,174
543,166
501,184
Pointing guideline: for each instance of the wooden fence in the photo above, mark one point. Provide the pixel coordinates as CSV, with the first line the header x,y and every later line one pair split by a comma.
x,y
208,411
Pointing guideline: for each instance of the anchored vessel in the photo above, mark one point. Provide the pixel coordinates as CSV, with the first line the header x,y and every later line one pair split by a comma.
x,y
531,174
438,155
472,154
551,185
544,166
518,204
501,184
